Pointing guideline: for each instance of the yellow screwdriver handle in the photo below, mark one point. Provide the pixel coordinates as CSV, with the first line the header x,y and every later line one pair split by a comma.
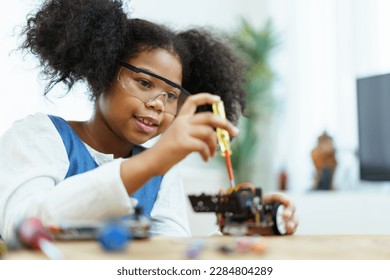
x,y
222,134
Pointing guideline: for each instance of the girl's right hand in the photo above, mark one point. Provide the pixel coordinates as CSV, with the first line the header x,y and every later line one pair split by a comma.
x,y
191,132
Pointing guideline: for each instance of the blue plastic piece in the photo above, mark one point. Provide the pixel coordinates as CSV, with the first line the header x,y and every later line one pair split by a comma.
x,y
114,236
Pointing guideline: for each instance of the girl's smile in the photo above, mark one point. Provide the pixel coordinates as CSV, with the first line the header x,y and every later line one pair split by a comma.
x,y
147,124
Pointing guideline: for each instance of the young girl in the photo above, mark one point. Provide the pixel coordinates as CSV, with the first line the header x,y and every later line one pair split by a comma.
x,y
145,80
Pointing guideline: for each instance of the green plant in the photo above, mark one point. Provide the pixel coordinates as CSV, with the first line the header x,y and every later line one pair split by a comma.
x,y
255,47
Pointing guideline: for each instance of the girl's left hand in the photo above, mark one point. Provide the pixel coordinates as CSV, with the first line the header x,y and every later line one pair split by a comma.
x,y
289,216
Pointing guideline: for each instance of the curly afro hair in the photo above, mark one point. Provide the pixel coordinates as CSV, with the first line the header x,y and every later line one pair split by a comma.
x,y
77,40
214,67
86,39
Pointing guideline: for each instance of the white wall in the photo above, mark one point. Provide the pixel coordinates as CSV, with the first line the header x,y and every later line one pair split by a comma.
x,y
21,88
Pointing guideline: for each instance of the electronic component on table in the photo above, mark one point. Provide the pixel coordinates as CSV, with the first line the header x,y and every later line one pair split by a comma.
x,y
241,211
75,230
137,225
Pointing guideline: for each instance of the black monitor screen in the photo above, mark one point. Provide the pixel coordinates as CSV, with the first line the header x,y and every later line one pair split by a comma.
x,y
373,98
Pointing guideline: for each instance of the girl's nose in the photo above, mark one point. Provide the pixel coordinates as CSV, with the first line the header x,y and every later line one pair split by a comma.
x,y
157,103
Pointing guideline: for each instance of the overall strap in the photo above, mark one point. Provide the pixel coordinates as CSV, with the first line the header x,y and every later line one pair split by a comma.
x,y
80,160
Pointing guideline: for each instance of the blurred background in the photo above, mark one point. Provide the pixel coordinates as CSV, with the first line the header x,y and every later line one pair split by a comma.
x,y
318,73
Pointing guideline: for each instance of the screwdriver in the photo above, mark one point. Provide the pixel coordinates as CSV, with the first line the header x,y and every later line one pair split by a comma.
x,y
34,235
224,141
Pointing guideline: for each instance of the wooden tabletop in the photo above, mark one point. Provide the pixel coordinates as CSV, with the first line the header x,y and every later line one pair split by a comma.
x,y
297,247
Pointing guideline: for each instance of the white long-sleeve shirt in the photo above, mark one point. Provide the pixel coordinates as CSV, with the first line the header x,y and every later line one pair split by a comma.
x,y
33,163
